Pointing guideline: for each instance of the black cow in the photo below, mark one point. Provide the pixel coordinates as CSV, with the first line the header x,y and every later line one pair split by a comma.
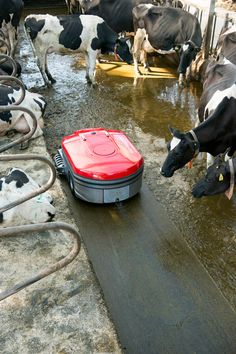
x,y
165,30
73,33
10,13
219,178
215,134
118,13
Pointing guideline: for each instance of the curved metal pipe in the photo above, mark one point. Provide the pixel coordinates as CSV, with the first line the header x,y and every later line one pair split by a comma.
x,y
41,189
13,63
14,231
24,137
19,83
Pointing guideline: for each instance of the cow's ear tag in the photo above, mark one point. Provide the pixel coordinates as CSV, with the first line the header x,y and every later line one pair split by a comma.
x,y
221,177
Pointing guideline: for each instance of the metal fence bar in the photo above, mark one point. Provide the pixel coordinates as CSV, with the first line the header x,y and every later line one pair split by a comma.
x,y
24,137
7,78
41,189
4,58
14,231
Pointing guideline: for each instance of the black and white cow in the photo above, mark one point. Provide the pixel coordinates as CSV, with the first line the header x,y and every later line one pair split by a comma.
x,y
166,30
19,120
15,185
215,134
118,13
87,34
220,178
10,14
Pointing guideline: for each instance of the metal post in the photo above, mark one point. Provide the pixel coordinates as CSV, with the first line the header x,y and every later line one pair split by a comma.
x,y
208,33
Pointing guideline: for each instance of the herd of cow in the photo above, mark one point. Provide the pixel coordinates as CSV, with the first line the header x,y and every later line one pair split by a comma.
x,y
100,29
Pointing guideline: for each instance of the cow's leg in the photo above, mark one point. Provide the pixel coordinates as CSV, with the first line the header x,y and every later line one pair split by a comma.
x,y
144,61
181,79
12,37
188,74
138,41
41,56
47,71
91,66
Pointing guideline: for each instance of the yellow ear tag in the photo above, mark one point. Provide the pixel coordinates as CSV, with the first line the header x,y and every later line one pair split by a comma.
x,y
221,177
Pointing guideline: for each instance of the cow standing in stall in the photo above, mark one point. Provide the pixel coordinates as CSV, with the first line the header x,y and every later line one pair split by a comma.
x,y
165,30
217,132
86,34
10,14
13,186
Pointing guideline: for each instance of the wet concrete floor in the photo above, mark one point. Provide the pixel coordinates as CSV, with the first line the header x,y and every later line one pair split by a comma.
x,y
144,113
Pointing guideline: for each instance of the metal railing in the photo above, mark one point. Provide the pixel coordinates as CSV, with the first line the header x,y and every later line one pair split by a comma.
x,y
26,229
14,231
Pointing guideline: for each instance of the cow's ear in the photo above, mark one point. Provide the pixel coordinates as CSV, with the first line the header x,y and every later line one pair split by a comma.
x,y
176,133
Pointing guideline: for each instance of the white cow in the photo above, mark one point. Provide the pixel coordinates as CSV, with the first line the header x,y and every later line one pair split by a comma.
x,y
36,210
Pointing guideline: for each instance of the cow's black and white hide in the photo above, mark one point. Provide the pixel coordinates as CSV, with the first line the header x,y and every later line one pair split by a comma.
x,y
15,185
165,30
19,120
217,132
87,34
10,14
219,178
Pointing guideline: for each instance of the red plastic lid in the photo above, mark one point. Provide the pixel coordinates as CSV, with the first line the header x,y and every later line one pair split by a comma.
x,y
101,154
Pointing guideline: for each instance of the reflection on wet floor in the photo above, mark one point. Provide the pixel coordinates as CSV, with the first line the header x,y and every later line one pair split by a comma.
x,y
144,112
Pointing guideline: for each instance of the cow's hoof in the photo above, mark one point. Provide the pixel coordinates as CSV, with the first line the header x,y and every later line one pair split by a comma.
x,y
53,81
181,84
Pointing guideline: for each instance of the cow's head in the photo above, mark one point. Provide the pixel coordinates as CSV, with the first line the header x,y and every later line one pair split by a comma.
x,y
122,50
188,53
36,210
182,148
216,180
